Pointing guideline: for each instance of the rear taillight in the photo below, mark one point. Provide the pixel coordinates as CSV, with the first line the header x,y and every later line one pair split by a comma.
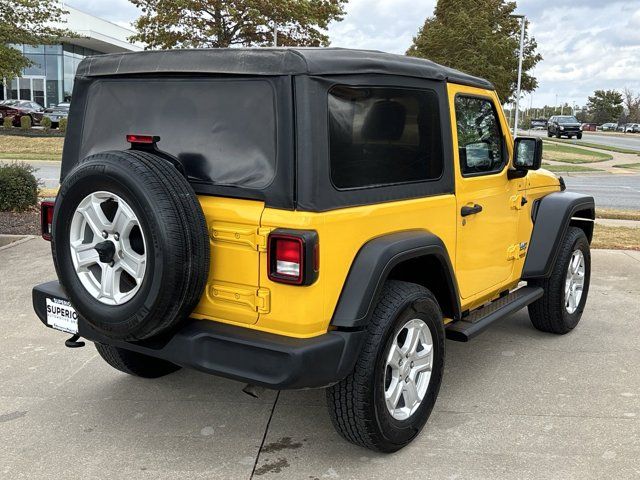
x,y
46,218
293,256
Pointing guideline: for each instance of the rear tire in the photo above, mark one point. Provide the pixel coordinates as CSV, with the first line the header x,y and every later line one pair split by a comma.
x,y
549,134
551,312
172,244
358,405
134,363
579,136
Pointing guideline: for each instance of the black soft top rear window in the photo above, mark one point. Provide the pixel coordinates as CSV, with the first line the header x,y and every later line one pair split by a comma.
x,y
222,130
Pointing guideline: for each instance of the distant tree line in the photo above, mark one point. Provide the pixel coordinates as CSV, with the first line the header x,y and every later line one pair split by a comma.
x,y
604,106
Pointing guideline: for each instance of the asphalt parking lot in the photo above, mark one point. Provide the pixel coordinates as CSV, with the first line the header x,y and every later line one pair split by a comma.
x,y
515,403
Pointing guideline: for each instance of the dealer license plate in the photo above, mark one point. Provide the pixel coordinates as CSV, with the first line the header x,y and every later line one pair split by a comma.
x,y
61,315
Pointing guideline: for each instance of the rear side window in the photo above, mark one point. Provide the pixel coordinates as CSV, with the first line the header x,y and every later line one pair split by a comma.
x,y
383,136
479,136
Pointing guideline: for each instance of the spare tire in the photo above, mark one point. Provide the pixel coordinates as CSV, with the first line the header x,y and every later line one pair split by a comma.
x,y
130,244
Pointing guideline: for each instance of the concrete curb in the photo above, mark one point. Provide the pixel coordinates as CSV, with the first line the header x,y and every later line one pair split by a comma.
x,y
14,240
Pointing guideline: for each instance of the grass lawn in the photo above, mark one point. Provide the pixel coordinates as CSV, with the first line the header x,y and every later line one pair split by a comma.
x,y
593,145
618,214
569,168
619,238
47,192
13,147
570,154
632,166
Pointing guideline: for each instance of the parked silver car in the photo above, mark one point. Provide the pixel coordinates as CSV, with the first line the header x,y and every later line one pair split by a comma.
x,y
608,127
57,112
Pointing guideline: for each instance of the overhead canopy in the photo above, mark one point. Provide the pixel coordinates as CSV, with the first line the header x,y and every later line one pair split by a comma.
x,y
272,61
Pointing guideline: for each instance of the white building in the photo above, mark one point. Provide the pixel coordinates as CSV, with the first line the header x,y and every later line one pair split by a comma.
x,y
50,79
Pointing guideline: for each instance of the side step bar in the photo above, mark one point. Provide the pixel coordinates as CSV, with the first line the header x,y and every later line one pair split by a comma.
x,y
474,323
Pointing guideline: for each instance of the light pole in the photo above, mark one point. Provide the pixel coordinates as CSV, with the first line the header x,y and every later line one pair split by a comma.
x,y
522,27
275,33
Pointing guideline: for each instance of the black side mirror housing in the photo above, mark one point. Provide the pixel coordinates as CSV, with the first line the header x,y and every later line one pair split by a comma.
x,y
527,155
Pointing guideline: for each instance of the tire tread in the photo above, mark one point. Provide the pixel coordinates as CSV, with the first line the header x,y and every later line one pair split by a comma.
x,y
348,401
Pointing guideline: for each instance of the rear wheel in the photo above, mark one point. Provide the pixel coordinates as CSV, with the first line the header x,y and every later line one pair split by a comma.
x,y
549,134
384,403
565,291
134,363
579,136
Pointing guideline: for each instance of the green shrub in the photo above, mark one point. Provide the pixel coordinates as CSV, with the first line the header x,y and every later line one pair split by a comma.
x,y
62,125
25,122
46,124
7,122
18,187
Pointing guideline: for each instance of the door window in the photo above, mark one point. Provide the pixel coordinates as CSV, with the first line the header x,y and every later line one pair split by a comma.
x,y
480,144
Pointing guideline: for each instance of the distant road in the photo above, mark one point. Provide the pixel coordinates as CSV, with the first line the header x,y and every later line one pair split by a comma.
x,y
630,140
610,191
48,172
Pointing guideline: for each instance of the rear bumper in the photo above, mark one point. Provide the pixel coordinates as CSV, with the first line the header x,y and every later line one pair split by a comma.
x,y
243,354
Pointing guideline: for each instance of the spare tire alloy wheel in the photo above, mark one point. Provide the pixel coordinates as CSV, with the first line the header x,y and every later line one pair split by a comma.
x,y
108,248
130,244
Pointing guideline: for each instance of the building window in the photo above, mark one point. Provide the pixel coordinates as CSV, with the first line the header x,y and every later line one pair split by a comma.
x,y
49,80
37,68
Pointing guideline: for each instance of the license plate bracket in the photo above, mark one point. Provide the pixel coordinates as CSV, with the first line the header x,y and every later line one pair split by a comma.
x,y
61,315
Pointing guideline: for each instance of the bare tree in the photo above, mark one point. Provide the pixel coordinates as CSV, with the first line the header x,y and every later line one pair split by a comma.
x,y
632,105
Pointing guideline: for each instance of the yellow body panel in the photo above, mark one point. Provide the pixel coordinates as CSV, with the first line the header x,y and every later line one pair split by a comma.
x,y
307,311
487,250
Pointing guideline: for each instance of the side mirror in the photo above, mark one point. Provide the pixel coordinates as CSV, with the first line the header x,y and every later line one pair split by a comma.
x,y
527,156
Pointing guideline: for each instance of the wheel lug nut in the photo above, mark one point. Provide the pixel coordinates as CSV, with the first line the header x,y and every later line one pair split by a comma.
x,y
112,263
105,234
411,364
406,380
117,236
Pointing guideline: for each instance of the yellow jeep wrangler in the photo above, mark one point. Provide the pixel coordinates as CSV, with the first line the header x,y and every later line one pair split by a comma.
x,y
304,218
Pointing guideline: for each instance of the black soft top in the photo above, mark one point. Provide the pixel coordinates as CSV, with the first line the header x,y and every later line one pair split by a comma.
x,y
272,61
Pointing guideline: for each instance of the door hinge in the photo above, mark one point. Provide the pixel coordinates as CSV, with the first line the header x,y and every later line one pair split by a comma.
x,y
263,300
254,238
258,299
516,251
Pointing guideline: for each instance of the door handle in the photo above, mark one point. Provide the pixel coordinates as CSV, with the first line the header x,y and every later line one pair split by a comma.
x,y
466,210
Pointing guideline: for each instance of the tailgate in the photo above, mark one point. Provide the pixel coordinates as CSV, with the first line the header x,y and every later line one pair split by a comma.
x,y
233,292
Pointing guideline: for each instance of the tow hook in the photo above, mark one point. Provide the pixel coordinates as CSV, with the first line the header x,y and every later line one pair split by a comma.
x,y
73,342
253,390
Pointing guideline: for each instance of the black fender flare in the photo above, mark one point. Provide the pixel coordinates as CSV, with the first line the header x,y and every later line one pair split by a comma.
x,y
371,268
551,217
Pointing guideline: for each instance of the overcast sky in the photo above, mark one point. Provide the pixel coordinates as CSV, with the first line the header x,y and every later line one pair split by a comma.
x,y
587,45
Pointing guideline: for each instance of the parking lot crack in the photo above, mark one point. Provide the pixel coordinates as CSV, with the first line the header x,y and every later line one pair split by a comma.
x,y
631,256
264,436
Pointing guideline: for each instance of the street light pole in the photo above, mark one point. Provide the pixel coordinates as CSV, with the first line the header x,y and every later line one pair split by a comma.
x,y
515,123
275,33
